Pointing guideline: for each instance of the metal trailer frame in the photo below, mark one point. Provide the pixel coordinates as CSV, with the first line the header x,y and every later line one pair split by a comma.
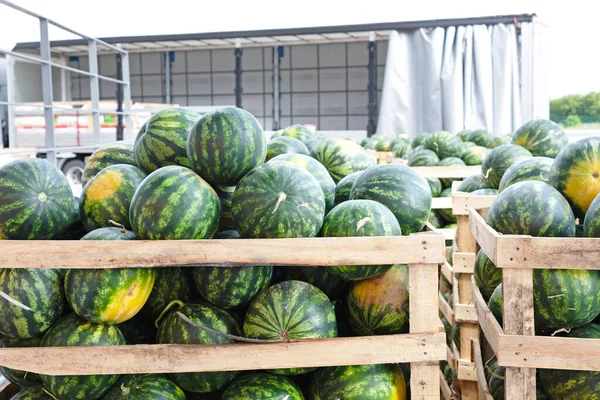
x,y
46,64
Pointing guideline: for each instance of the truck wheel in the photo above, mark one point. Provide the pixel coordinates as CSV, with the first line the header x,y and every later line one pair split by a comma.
x,y
73,170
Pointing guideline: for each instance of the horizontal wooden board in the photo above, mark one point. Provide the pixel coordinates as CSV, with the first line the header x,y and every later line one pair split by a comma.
x,y
143,359
465,313
463,263
448,271
448,172
462,202
419,248
441,202
487,322
466,371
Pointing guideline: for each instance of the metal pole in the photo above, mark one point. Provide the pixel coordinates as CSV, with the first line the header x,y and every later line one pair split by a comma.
x,y
372,86
47,90
276,89
119,98
168,77
94,89
238,73
126,95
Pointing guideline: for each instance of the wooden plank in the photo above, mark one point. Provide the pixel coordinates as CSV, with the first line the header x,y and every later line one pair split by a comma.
x,y
448,172
463,262
441,202
466,371
445,309
143,359
465,313
465,242
487,322
450,358
448,271
423,295
484,392
462,202
485,236
401,161
141,253
517,294
445,388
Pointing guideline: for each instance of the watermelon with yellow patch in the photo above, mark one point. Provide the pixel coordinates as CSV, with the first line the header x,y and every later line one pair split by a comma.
x,y
379,306
120,152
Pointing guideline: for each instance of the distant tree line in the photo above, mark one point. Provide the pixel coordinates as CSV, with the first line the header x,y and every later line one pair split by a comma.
x,y
575,109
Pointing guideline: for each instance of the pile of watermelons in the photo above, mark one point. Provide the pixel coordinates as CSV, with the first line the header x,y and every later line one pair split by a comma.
x,y
200,177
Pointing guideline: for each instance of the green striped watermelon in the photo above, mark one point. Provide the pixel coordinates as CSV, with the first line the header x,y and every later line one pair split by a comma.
x,y
385,144
436,186
36,201
591,223
317,170
399,188
447,331
285,145
532,208
499,160
74,331
401,149
419,140
175,330
76,230
299,132
139,330
278,200
120,152
144,387
162,141
368,143
379,306
472,183
500,140
225,144
33,393
225,196
495,303
450,162
107,196
436,219
343,187
172,283
360,218
329,283
576,173
358,382
32,300
474,155
314,141
529,169
262,386
444,144
541,137
446,213
16,377
174,203
422,158
485,192
487,276
291,310
341,157
228,234
478,136
109,233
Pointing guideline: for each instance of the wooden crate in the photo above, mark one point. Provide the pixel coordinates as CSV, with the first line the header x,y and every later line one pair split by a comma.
x,y
423,347
515,344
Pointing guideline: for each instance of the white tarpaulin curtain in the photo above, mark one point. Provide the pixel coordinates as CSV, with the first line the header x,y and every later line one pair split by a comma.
x,y
454,78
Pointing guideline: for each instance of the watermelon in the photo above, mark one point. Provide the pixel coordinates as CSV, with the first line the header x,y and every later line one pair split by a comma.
x,y
401,149
499,160
368,143
317,170
172,283
108,296
467,145
495,303
76,230
444,144
399,188
485,192
285,145
109,233
487,276
262,386
32,300
450,162
379,306
341,157
500,140
107,196
435,185
472,183
291,310
419,140
228,234
591,223
543,138
422,158
175,330
496,383
342,189
385,144
225,196
314,142
474,155
144,387
570,384
225,144
478,136
436,219
446,213
532,208
576,174
74,331
360,218
329,283
36,201
162,141
455,333
528,169
299,132
33,393
174,203
358,382
278,200
120,152
277,133
139,330
16,377
447,330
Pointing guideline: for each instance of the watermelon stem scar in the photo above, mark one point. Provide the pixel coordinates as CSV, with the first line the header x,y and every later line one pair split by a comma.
x,y
226,335
15,302
282,196
179,304
487,174
42,197
118,225
566,330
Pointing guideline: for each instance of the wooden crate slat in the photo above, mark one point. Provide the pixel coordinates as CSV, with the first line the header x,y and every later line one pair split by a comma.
x,y
445,388
465,313
484,235
448,172
445,309
462,202
466,371
450,357
463,262
441,202
140,253
448,271
484,392
142,359
487,322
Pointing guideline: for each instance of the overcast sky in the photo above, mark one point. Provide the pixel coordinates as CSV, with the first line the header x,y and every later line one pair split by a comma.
x,y
574,62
